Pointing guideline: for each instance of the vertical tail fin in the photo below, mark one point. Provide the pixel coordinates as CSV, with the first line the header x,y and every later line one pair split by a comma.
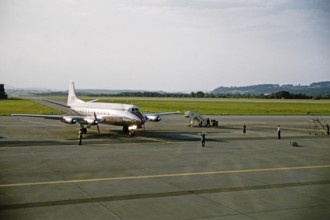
x,y
72,98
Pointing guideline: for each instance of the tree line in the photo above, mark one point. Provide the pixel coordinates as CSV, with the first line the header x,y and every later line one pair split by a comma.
x,y
199,94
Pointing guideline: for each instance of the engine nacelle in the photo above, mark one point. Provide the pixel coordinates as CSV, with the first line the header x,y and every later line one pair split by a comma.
x,y
69,120
91,121
154,118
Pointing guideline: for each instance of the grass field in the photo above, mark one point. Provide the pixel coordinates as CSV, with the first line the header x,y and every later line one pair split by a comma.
x,y
204,106
232,106
8,107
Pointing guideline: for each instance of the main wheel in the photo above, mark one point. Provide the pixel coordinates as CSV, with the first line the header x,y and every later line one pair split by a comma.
x,y
83,130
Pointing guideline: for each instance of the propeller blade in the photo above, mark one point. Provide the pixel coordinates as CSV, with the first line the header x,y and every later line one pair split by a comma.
x,y
97,124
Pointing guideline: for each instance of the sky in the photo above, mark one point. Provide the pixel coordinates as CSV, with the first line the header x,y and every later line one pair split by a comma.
x,y
169,45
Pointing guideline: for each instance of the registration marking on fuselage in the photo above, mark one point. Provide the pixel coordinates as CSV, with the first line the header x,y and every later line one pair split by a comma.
x,y
164,175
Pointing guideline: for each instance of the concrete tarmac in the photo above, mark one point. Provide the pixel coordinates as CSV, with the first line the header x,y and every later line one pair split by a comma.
x,y
163,172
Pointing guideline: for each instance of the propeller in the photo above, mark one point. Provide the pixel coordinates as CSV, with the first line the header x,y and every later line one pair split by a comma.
x,y
97,124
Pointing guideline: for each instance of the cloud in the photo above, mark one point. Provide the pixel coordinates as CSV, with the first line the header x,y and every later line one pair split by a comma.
x,y
164,44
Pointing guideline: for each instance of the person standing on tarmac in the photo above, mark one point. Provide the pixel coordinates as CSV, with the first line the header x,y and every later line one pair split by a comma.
x,y
203,139
80,136
278,132
244,129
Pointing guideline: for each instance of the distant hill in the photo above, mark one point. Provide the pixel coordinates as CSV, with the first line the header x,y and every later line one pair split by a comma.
x,y
314,89
317,89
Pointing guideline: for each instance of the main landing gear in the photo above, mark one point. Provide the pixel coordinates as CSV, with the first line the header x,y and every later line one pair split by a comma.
x,y
80,134
83,130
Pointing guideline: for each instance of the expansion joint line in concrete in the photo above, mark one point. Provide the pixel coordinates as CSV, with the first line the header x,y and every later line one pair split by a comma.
x,y
165,175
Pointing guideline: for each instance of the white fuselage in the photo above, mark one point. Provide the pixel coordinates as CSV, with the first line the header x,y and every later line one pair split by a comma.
x,y
112,113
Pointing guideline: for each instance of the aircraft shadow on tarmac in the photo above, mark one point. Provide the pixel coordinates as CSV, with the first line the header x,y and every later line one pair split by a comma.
x,y
173,136
147,136
164,135
110,137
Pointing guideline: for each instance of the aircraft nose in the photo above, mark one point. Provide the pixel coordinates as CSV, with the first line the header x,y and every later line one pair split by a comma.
x,y
136,118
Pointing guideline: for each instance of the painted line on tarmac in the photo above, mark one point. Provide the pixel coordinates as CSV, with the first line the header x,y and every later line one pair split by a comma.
x,y
164,175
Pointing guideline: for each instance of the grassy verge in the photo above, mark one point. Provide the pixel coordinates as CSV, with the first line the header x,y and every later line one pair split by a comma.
x,y
229,106
204,106
8,107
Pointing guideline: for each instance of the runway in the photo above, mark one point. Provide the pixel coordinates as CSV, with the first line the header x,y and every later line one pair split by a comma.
x,y
163,172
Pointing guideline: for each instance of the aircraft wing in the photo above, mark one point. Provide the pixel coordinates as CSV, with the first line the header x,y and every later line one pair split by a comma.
x,y
56,117
69,119
158,116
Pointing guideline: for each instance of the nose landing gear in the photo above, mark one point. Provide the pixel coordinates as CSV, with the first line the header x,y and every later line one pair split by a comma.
x,y
130,132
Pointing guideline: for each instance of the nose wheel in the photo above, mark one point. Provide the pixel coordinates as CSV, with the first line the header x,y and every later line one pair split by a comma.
x,y
131,133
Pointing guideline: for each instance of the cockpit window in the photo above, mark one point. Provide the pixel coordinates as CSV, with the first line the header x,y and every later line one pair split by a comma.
x,y
133,110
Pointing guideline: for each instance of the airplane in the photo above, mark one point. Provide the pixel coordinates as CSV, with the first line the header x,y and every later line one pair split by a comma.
x,y
93,113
